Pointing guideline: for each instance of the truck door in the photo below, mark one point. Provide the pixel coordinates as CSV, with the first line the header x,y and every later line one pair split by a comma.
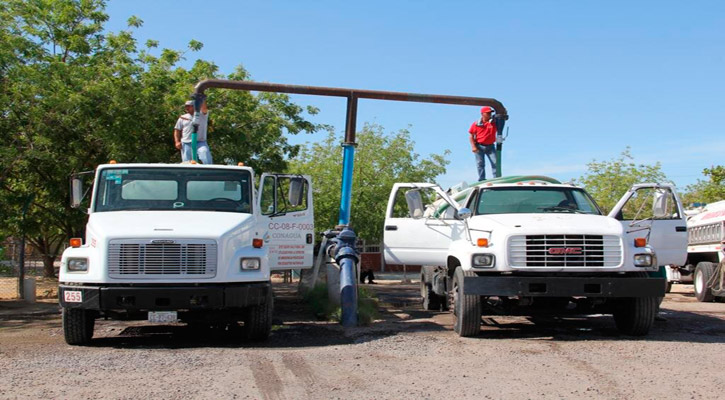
x,y
415,234
287,218
655,212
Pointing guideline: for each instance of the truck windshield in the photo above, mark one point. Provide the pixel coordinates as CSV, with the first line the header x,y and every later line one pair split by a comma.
x,y
517,200
182,189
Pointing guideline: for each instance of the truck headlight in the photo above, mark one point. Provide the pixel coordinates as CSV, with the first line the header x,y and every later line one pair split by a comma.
x,y
642,260
483,260
78,264
250,263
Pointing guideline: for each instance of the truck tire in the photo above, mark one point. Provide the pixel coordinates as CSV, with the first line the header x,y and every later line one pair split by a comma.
x,y
431,301
635,315
703,274
466,308
78,326
258,320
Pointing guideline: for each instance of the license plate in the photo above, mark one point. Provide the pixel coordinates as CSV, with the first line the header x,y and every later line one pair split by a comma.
x,y
73,296
163,316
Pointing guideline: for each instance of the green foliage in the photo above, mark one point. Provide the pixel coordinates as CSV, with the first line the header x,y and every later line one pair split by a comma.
x,y
323,309
607,181
320,303
708,191
367,308
73,96
380,161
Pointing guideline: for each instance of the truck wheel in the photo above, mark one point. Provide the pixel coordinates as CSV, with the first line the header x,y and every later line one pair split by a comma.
x,y
635,315
466,308
78,325
258,320
703,274
431,301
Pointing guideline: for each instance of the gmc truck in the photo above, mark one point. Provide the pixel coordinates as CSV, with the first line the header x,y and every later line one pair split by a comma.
x,y
183,242
530,244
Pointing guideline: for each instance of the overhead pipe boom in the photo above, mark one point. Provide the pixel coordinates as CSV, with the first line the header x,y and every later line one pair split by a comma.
x,y
351,94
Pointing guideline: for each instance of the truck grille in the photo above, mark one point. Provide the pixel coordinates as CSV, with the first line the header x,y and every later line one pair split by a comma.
x,y
565,251
155,259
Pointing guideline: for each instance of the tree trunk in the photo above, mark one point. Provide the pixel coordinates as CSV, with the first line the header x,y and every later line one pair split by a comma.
x,y
48,268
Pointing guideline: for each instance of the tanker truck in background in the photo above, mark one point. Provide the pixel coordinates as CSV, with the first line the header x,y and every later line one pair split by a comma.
x,y
705,246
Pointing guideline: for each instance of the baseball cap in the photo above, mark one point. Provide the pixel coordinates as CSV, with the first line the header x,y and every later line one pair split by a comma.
x,y
486,109
189,103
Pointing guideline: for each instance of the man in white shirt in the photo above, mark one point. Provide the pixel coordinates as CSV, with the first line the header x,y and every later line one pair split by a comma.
x,y
182,134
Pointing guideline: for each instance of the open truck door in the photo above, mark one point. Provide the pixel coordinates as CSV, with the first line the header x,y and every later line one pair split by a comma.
x,y
411,235
288,220
655,212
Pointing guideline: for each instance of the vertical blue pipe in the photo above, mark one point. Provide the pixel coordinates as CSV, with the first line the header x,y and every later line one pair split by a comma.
x,y
500,122
198,101
348,161
194,156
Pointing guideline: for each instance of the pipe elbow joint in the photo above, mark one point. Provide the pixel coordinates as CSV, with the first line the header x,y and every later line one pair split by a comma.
x,y
346,252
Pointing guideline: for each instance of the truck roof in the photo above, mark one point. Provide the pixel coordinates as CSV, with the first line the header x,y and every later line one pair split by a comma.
x,y
514,180
169,165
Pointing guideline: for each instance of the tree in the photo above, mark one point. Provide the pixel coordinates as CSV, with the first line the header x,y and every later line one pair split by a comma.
x,y
708,191
607,181
380,161
73,96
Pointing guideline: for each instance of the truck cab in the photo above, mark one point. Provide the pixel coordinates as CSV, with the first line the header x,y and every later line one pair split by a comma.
x,y
510,243
184,242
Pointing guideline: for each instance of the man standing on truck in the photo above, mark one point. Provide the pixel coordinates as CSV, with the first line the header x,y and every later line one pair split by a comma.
x,y
182,134
483,142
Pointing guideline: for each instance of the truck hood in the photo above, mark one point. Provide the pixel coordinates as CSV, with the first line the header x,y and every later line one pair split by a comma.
x,y
166,224
550,223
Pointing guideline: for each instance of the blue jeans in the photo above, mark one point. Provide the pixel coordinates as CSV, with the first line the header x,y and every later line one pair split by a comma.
x,y
490,152
202,151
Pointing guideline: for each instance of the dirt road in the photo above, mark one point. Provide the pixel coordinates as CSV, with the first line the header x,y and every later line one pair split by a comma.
x,y
409,353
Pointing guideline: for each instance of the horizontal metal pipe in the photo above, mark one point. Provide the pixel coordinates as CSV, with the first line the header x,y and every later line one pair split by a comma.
x,y
349,93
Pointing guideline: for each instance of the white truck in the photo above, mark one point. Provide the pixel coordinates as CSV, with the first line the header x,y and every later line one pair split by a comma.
x,y
521,245
704,265
183,242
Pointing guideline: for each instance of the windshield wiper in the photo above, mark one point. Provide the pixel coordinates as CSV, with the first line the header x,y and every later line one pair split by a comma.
x,y
558,208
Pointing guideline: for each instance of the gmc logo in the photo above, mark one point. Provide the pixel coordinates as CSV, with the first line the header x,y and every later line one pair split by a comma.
x,y
556,251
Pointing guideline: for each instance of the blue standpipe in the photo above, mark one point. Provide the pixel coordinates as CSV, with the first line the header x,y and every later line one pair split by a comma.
x,y
198,101
347,258
500,122
348,161
346,255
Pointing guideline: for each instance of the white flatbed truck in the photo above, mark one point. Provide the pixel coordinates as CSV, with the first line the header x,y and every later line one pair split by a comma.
x,y
521,244
184,242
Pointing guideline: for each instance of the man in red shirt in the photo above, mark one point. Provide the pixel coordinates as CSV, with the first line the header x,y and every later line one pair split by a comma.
x,y
483,142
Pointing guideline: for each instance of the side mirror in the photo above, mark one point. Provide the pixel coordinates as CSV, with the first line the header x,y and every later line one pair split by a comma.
x,y
659,209
415,203
463,213
76,192
296,191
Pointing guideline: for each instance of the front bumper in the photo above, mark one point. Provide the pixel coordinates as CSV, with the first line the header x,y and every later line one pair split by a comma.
x,y
511,286
164,298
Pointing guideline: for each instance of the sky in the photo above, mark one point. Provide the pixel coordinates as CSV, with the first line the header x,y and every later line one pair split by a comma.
x,y
581,80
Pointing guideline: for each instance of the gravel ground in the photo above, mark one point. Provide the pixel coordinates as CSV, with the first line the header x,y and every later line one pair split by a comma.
x,y
408,353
